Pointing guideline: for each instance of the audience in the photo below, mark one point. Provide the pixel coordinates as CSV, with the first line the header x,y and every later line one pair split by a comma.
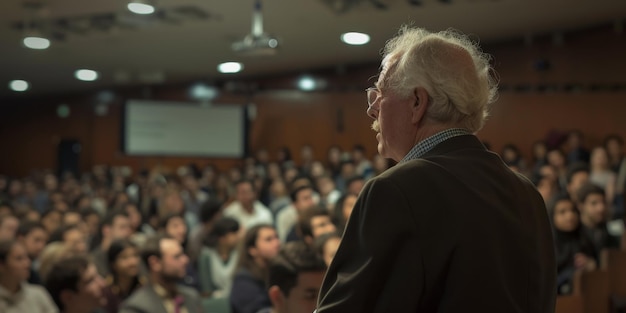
x,y
593,217
343,209
575,149
577,176
326,246
246,209
294,279
34,237
574,250
327,191
539,156
16,295
314,222
115,226
224,221
8,227
166,263
301,199
124,278
249,294
173,226
72,236
218,258
556,159
614,145
75,285
601,174
210,211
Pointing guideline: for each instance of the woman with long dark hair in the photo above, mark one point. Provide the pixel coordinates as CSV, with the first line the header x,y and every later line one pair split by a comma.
x,y
123,260
574,250
249,294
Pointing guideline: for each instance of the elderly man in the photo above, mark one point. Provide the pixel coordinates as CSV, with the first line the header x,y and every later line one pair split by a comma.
x,y
450,228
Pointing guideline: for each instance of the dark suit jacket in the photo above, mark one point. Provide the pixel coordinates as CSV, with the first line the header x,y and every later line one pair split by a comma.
x,y
453,231
146,300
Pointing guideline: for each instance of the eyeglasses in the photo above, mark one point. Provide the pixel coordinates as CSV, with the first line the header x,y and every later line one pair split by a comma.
x,y
373,93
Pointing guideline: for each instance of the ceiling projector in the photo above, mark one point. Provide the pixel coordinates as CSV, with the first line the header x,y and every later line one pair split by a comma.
x,y
258,42
263,44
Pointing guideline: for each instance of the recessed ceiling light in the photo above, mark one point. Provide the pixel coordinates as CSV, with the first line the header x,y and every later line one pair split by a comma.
x,y
140,7
63,111
354,38
203,92
36,42
307,83
230,67
86,75
19,85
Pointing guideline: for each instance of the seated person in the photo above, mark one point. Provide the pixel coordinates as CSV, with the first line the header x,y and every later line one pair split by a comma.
x,y
218,258
34,237
16,295
166,263
75,285
72,237
173,225
593,216
124,273
314,222
326,246
574,250
295,277
249,292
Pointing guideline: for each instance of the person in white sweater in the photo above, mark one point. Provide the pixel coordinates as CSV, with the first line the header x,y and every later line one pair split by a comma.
x,y
16,295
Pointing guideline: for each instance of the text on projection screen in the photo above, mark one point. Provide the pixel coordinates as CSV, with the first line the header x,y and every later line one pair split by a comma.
x,y
178,129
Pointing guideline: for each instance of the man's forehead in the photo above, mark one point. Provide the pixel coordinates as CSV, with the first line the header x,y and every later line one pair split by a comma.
x,y
310,279
170,246
318,219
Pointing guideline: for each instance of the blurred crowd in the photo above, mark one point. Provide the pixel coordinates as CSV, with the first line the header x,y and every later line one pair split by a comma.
x,y
254,238
222,229
583,189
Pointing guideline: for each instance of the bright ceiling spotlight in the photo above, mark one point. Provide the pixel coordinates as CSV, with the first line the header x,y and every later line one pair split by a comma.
x,y
141,7
86,75
355,39
19,85
36,41
230,67
307,83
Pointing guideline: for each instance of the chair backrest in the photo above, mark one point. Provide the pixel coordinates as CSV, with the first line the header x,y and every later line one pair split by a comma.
x,y
593,287
216,305
569,304
614,261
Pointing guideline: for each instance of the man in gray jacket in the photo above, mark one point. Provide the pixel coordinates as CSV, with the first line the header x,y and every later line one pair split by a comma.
x,y
166,263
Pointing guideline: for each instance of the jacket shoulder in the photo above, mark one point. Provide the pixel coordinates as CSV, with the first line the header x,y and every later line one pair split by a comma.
x,y
138,299
187,291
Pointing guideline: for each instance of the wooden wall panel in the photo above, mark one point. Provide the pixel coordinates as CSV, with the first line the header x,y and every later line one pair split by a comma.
x,y
30,131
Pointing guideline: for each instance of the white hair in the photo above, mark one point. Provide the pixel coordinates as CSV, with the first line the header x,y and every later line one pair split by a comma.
x,y
441,63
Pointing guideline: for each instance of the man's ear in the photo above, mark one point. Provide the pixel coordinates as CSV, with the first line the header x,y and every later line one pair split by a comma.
x,y
418,111
276,296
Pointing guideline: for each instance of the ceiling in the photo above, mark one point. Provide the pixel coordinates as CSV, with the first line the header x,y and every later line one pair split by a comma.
x,y
190,49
